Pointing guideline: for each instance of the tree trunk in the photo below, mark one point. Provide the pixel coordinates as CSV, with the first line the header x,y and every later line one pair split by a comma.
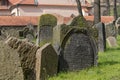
x,y
108,7
97,14
79,7
115,10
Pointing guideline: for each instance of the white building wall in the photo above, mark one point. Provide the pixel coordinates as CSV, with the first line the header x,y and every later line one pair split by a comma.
x,y
15,12
51,7
58,2
37,11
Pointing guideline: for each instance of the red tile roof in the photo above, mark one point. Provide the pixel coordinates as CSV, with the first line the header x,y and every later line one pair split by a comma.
x,y
17,20
104,19
24,20
30,2
27,2
13,2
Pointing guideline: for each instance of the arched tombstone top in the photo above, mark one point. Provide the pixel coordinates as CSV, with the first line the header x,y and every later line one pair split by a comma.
x,y
78,50
70,32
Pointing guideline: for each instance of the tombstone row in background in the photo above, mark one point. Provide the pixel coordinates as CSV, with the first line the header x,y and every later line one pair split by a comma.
x,y
28,32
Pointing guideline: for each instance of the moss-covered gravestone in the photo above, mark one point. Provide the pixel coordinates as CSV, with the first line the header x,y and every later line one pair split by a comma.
x,y
45,28
75,45
10,64
78,51
27,55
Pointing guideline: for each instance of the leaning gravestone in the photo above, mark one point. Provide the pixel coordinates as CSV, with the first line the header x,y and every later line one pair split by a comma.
x,y
101,36
27,52
10,64
59,32
78,51
46,62
112,41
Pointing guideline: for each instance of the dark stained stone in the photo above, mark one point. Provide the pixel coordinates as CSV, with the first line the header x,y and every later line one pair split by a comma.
x,y
46,34
78,51
101,36
46,62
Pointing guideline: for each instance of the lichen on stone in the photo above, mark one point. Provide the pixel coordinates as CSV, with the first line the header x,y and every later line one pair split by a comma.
x,y
79,21
47,20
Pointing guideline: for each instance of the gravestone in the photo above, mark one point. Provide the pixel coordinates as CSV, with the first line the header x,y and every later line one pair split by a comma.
x,y
46,62
28,32
117,25
27,52
101,36
59,32
10,64
119,30
110,29
46,34
29,36
78,51
112,41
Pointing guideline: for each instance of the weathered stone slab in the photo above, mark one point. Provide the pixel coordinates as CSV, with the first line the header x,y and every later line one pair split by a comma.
x,y
78,51
28,32
46,34
27,55
112,41
101,36
117,25
10,64
110,29
46,62
59,32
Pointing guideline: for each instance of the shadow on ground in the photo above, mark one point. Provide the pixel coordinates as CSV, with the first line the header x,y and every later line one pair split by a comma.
x,y
108,63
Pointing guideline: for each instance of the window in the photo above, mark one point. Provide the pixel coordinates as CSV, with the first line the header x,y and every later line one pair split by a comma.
x,y
4,2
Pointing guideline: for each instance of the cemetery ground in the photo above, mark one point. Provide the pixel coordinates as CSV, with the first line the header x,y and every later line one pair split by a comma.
x,y
108,67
